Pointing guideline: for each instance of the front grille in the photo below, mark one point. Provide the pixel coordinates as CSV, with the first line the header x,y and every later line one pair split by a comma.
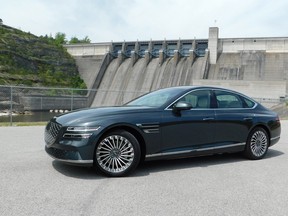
x,y
51,132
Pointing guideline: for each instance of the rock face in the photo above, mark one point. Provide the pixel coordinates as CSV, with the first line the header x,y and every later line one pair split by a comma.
x,y
35,61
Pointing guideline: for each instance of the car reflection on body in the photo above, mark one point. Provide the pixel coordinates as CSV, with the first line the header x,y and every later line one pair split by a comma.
x,y
168,123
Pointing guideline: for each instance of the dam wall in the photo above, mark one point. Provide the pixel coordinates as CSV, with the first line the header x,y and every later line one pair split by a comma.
x,y
269,45
122,83
93,49
272,89
252,59
250,66
89,67
121,71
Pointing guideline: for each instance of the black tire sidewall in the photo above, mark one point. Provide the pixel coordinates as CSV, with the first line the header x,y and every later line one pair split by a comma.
x,y
137,153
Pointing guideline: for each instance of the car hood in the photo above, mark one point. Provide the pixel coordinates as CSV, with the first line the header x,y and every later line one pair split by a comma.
x,y
93,115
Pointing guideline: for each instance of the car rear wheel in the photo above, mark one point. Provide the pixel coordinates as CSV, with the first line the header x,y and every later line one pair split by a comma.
x,y
257,144
117,153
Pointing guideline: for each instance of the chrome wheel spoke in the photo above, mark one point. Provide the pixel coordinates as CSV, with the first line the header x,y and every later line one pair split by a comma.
x,y
115,153
108,144
103,153
127,148
121,161
110,162
106,148
126,158
124,145
113,141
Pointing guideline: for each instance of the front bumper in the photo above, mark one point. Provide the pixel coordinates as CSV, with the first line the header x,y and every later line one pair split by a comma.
x,y
72,150
67,156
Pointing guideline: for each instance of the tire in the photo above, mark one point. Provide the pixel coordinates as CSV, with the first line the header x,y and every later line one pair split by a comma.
x,y
117,153
257,144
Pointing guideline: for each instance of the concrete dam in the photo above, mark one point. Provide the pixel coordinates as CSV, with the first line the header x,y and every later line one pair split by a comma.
x,y
127,81
120,72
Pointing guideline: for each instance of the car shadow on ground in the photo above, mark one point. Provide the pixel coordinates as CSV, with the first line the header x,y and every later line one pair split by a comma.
x,y
80,172
195,162
146,168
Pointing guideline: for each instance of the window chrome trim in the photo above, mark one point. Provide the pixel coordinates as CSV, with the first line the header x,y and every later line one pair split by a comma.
x,y
235,108
194,150
216,89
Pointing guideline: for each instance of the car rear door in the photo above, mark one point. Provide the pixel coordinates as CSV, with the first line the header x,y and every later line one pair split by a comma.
x,y
233,118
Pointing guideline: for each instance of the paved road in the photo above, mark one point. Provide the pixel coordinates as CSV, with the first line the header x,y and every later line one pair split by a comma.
x,y
32,183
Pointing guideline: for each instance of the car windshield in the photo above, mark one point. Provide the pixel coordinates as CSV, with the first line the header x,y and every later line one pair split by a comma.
x,y
156,98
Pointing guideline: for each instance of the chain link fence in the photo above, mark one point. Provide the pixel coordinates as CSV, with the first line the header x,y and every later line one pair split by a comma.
x,y
39,104
22,104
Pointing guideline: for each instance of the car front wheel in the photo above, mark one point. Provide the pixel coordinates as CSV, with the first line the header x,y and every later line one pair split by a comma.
x,y
117,153
257,144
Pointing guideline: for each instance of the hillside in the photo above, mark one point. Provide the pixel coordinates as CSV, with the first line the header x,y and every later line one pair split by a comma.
x,y
26,59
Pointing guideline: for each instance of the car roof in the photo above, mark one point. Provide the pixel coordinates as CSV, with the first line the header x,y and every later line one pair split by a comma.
x,y
190,88
201,87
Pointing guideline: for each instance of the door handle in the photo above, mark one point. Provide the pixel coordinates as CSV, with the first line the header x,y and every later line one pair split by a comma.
x,y
247,119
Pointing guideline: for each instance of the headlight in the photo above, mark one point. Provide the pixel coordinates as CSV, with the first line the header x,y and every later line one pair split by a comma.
x,y
80,132
83,129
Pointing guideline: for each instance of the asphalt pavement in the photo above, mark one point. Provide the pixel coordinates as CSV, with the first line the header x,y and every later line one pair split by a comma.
x,y
32,183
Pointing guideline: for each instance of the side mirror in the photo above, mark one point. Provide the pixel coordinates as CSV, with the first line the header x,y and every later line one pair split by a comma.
x,y
181,105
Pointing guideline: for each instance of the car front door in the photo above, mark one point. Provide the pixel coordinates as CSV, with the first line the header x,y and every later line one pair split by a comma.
x,y
189,129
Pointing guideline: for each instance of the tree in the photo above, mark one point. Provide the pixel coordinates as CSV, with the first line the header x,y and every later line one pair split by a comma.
x,y
60,38
75,40
86,40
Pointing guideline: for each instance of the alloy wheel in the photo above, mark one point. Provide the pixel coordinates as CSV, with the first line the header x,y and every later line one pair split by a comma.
x,y
115,154
259,143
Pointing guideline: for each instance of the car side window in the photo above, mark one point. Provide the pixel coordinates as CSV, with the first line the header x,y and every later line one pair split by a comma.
x,y
228,100
199,99
249,103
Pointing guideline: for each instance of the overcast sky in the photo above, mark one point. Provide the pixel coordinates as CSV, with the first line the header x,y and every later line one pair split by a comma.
x,y
119,20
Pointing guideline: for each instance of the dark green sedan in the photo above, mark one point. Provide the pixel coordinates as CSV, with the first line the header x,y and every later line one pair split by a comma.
x,y
168,123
